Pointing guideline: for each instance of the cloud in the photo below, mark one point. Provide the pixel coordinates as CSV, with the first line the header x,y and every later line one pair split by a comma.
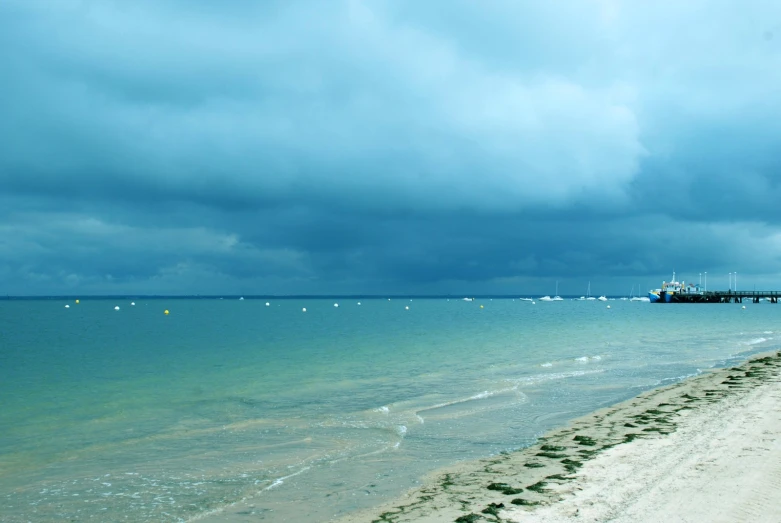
x,y
375,146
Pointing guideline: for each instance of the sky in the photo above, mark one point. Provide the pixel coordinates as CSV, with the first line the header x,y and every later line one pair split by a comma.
x,y
388,147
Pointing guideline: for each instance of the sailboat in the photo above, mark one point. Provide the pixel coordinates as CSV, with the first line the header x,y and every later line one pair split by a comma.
x,y
588,293
557,297
638,297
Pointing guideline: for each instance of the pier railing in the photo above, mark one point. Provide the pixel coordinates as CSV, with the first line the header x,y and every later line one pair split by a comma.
x,y
727,296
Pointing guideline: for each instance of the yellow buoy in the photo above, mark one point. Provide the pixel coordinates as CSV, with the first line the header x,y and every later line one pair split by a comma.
x,y
166,311
77,301
481,306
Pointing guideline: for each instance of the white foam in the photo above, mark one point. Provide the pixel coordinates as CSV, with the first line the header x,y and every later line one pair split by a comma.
x,y
277,482
556,376
479,396
756,341
548,364
384,409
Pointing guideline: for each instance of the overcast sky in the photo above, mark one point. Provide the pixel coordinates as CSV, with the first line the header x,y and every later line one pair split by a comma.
x,y
278,147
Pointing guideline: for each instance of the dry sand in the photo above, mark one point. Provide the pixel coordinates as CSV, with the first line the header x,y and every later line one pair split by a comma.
x,y
706,449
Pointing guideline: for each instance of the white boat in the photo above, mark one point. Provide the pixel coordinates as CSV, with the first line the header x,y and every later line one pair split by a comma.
x,y
546,298
602,298
588,297
557,297
467,299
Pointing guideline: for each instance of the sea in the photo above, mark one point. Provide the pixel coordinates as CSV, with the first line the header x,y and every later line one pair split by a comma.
x,y
309,409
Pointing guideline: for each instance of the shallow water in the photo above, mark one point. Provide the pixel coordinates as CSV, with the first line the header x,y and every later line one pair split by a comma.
x,y
228,406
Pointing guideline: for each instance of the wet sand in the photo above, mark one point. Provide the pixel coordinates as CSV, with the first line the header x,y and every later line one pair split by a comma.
x,y
705,449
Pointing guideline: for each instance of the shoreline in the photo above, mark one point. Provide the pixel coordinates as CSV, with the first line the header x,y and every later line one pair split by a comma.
x,y
587,470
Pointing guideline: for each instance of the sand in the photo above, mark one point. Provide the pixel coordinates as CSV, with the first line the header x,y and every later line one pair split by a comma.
x,y
706,449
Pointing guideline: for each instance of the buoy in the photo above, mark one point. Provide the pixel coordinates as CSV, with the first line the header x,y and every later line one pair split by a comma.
x,y
77,301
744,306
359,303
67,306
132,303
534,303
116,308
608,306
407,307
303,310
267,304
165,311
336,304
481,306
241,298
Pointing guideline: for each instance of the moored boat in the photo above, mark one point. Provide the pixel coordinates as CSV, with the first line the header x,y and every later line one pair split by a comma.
x,y
669,290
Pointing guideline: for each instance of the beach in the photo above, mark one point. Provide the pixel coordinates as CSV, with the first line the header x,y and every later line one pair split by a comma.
x,y
704,449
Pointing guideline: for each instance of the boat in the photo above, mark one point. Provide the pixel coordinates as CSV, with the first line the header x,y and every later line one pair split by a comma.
x,y
602,298
589,297
557,297
638,297
669,289
546,298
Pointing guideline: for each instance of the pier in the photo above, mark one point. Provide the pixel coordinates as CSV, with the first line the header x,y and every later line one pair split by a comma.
x,y
725,296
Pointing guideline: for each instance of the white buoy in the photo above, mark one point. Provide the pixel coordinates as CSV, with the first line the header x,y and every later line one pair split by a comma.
x,y
336,304
241,298
744,306
303,310
267,304
359,303
67,306
116,308
132,303
608,306
534,303
407,307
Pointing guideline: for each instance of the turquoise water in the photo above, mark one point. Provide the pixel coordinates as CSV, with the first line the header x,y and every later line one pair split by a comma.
x,y
235,409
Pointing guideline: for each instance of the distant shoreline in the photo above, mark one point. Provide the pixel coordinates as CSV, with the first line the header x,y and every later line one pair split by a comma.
x,y
275,297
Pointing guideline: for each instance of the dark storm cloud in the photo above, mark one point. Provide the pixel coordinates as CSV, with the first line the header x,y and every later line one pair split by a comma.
x,y
281,147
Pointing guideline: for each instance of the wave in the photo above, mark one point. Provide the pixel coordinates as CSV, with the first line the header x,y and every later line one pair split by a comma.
x,y
586,359
756,341
537,378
